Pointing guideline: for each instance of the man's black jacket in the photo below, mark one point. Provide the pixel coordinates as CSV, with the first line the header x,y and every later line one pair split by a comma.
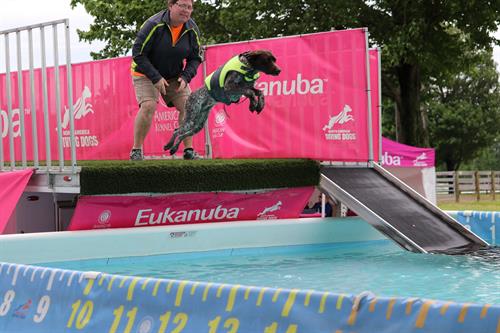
x,y
155,56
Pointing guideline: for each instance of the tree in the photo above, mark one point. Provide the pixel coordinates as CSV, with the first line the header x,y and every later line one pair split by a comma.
x,y
117,21
464,112
421,40
488,158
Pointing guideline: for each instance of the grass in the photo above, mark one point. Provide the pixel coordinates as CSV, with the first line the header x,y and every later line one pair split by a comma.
x,y
486,204
171,176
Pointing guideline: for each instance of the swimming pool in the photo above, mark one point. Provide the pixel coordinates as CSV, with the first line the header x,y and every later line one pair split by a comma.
x,y
378,266
355,256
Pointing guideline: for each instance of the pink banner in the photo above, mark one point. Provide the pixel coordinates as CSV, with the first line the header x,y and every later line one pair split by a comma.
x,y
12,185
104,112
400,155
101,212
316,107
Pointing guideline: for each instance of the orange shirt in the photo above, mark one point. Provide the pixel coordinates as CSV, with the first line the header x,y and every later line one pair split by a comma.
x,y
176,33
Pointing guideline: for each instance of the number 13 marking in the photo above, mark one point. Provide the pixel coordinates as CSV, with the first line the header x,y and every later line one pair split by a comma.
x,y
231,323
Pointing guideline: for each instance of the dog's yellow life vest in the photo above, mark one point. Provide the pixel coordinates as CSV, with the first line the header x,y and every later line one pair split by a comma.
x,y
215,81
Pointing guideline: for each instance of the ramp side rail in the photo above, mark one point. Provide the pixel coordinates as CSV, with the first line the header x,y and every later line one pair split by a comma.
x,y
370,216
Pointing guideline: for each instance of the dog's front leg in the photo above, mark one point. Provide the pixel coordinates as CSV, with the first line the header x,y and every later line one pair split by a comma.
x,y
260,100
252,97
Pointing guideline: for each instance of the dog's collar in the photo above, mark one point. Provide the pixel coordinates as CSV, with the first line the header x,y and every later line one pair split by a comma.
x,y
250,73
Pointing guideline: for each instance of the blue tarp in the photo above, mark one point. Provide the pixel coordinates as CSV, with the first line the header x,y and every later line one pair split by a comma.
x,y
484,224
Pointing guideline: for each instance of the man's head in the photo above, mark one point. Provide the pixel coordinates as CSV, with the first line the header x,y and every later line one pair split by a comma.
x,y
180,11
263,61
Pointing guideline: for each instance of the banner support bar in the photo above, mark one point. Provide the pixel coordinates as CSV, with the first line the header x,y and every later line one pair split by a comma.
x,y
369,97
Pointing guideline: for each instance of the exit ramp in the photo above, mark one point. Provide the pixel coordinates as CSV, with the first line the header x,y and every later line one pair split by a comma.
x,y
397,211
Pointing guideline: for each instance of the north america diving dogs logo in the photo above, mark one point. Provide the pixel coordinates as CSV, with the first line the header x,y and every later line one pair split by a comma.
x,y
344,117
266,214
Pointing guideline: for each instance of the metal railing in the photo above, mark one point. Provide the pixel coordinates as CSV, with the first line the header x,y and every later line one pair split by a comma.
x,y
7,128
476,183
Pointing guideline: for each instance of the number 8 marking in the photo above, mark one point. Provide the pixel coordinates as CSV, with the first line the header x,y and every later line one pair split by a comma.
x,y
7,301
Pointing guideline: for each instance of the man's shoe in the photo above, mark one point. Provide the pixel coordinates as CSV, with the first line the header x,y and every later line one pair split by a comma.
x,y
190,154
136,155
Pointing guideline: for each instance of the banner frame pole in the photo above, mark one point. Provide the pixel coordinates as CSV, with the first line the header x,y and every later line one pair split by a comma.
x,y
369,104
379,59
208,142
282,37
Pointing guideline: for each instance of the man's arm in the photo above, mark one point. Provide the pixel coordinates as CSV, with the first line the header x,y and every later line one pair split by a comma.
x,y
141,48
195,57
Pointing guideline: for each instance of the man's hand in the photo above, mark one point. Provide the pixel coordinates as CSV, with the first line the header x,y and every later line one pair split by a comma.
x,y
182,84
162,86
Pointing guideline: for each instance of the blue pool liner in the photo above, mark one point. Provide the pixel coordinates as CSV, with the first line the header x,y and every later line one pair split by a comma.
x,y
484,224
36,299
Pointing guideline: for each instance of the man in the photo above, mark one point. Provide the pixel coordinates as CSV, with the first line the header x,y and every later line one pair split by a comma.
x,y
166,55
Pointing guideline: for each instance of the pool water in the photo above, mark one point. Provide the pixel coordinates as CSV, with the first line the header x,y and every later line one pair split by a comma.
x,y
379,266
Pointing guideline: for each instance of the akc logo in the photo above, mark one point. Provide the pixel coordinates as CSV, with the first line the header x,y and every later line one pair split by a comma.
x,y
220,123
220,117
103,220
104,217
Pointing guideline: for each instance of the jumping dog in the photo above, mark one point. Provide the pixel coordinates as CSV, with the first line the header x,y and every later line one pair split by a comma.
x,y
226,85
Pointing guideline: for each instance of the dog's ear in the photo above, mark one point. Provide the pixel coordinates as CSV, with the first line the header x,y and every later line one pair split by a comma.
x,y
251,56
262,60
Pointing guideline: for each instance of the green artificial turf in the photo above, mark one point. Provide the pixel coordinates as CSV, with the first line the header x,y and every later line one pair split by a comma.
x,y
167,176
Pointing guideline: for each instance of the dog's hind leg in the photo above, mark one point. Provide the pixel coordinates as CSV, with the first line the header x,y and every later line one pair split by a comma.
x,y
193,129
175,147
172,140
190,108
179,139
198,107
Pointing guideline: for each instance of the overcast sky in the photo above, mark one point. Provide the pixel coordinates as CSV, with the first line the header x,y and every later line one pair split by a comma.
x,y
18,13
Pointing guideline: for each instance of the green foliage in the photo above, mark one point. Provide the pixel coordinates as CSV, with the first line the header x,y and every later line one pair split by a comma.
x,y
115,22
423,42
464,112
167,176
488,158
